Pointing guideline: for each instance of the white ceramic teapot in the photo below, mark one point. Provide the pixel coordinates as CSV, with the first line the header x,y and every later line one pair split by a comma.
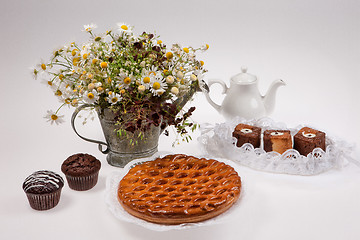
x,y
243,97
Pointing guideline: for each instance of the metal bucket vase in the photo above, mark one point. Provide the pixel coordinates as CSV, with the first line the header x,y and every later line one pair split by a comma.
x,y
121,149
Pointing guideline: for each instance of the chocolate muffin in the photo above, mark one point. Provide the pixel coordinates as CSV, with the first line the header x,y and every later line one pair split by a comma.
x,y
81,171
277,140
43,189
307,139
247,134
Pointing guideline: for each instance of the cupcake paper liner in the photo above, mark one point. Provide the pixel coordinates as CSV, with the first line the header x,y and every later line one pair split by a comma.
x,y
44,201
82,183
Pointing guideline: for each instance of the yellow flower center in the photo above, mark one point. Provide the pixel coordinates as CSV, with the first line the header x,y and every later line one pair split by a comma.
x,y
159,42
54,117
127,80
202,63
104,64
146,79
124,27
122,91
169,55
156,85
85,55
94,61
73,52
114,99
49,83
61,77
43,66
100,89
76,61
90,95
109,80
207,46
67,101
58,93
186,50
90,76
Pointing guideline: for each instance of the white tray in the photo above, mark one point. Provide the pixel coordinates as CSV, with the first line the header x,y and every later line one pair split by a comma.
x,y
111,199
217,141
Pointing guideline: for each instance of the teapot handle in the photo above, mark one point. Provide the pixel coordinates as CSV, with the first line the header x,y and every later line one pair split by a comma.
x,y
73,117
207,95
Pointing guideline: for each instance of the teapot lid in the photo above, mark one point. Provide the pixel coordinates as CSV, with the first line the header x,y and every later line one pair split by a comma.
x,y
244,77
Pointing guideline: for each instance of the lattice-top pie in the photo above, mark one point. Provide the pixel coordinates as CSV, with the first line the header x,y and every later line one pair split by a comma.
x,y
179,189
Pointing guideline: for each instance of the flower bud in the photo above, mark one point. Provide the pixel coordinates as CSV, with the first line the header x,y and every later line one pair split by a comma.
x,y
179,74
175,90
193,77
170,79
141,88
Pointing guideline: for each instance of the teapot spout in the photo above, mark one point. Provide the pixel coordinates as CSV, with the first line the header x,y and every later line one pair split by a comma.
x,y
269,98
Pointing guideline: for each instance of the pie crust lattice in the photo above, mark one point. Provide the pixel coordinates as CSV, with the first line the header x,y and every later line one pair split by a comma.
x,y
179,189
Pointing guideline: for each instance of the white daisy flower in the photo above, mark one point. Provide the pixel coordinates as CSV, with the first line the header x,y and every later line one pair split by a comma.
x,y
114,98
91,97
35,72
147,78
158,86
52,117
123,27
153,70
85,51
205,47
89,27
41,67
52,84
124,81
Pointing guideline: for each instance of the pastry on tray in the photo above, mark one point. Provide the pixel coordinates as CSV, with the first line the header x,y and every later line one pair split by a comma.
x,y
307,139
179,189
277,140
245,133
43,189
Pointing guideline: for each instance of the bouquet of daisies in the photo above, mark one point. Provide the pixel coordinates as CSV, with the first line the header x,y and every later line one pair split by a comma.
x,y
136,76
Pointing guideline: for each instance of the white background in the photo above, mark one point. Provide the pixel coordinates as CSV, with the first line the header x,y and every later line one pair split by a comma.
x,y
312,45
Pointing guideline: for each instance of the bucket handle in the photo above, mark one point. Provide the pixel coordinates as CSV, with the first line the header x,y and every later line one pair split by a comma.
x,y
73,117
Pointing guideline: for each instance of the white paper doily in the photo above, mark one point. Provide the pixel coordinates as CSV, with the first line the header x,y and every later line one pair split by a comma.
x,y
112,183
217,141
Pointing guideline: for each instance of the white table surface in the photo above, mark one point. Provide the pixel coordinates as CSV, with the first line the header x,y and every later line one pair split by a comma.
x,y
312,45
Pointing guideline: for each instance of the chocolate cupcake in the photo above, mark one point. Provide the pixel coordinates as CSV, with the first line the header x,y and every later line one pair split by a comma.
x,y
81,171
43,189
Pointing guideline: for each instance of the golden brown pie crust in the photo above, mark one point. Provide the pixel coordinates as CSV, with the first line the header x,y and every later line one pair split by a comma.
x,y
179,189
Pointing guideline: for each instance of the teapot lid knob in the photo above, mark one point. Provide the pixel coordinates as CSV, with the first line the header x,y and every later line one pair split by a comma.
x,y
244,77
